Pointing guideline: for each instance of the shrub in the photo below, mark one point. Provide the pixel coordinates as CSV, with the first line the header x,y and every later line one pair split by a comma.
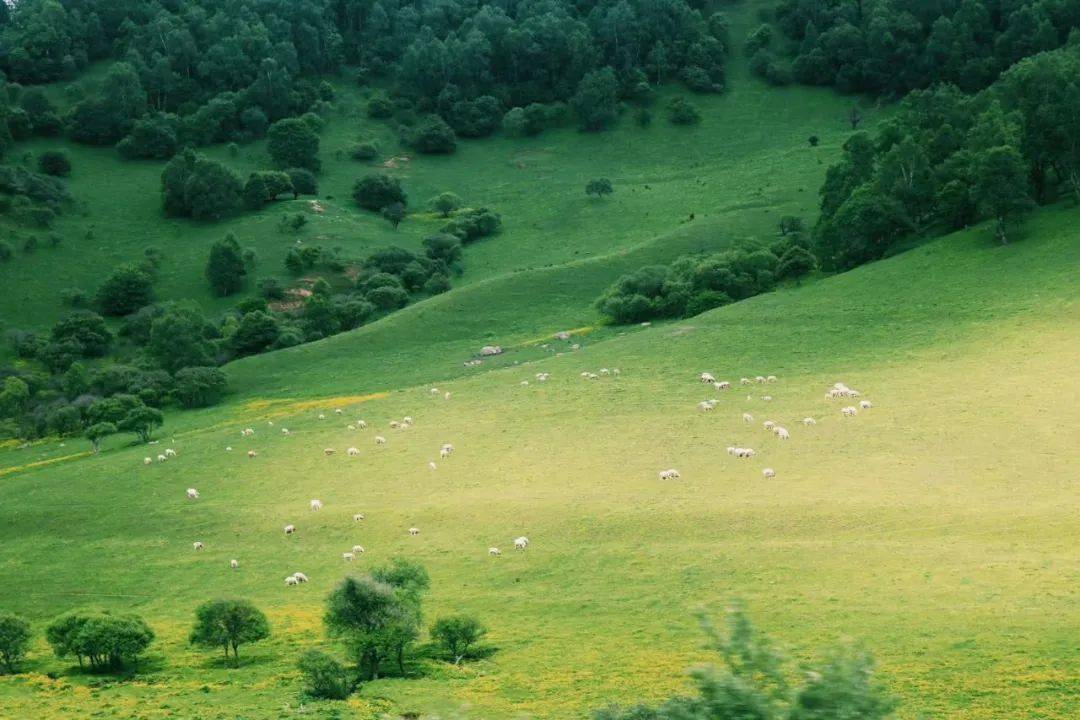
x,y
54,162
437,283
151,137
444,247
73,297
200,386
681,112
6,253
324,677
229,624
225,269
86,329
270,288
445,203
125,291
388,298
14,641
599,187
473,224
433,136
364,151
380,107
293,142
374,192
303,181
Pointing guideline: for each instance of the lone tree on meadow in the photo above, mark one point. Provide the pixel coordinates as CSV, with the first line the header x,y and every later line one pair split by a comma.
x,y
228,624
225,268
14,641
395,213
599,187
98,432
141,421
374,192
445,203
458,635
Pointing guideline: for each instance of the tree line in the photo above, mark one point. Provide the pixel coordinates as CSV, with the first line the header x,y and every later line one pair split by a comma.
x,y
202,72
890,47
377,618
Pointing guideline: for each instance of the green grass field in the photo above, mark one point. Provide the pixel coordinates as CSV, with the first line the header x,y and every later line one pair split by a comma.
x,y
938,528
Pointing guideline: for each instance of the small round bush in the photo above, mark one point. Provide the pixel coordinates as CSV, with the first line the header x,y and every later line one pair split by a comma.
x,y
379,107
54,162
364,151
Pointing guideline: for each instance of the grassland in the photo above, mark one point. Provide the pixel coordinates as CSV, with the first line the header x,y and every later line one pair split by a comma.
x,y
938,528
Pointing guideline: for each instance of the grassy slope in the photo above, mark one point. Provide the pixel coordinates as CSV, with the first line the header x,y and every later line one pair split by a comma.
x,y
937,527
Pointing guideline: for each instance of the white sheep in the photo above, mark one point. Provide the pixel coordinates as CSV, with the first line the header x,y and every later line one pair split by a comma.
x,y
247,432
705,405
228,448
322,416
446,396
358,549
769,473
328,451
291,580
270,423
494,551
161,458
524,383
170,453
197,545
521,543
352,452
406,420
746,381
849,411
760,379
234,564
380,440
300,577
361,424
348,557
434,391
444,453
707,378
769,425
147,461
358,517
290,529
431,465
809,421
865,404
192,494
767,398
414,531
285,431
316,505
605,371
337,411
770,378
671,474
251,453
350,427
782,433
722,385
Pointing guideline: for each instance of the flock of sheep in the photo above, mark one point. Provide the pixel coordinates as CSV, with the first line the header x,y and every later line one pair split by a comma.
x,y
316,505
838,390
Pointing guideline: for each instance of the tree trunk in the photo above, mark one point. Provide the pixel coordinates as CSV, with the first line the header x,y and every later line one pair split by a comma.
x,y
1001,231
236,655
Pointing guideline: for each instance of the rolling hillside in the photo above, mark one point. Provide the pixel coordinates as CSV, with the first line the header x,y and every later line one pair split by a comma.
x,y
936,528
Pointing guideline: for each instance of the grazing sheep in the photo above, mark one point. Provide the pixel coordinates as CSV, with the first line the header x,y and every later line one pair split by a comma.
x,y
358,549
247,432
767,398
328,451
300,577
234,564
849,411
193,494
197,545
350,427
406,420
172,453
605,371
270,423
616,372
865,404
746,381
488,350
352,452
361,424
316,505
444,453
337,411
769,473
494,551
147,461
521,543
322,416
284,431
380,440
431,465
251,453
358,517
228,448
446,396
670,474
524,382
770,378
543,377
290,529
348,557
161,458
747,417
769,425
394,425
705,405
414,531
782,433
722,385
760,379
434,391
809,421
741,452
291,580
707,378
